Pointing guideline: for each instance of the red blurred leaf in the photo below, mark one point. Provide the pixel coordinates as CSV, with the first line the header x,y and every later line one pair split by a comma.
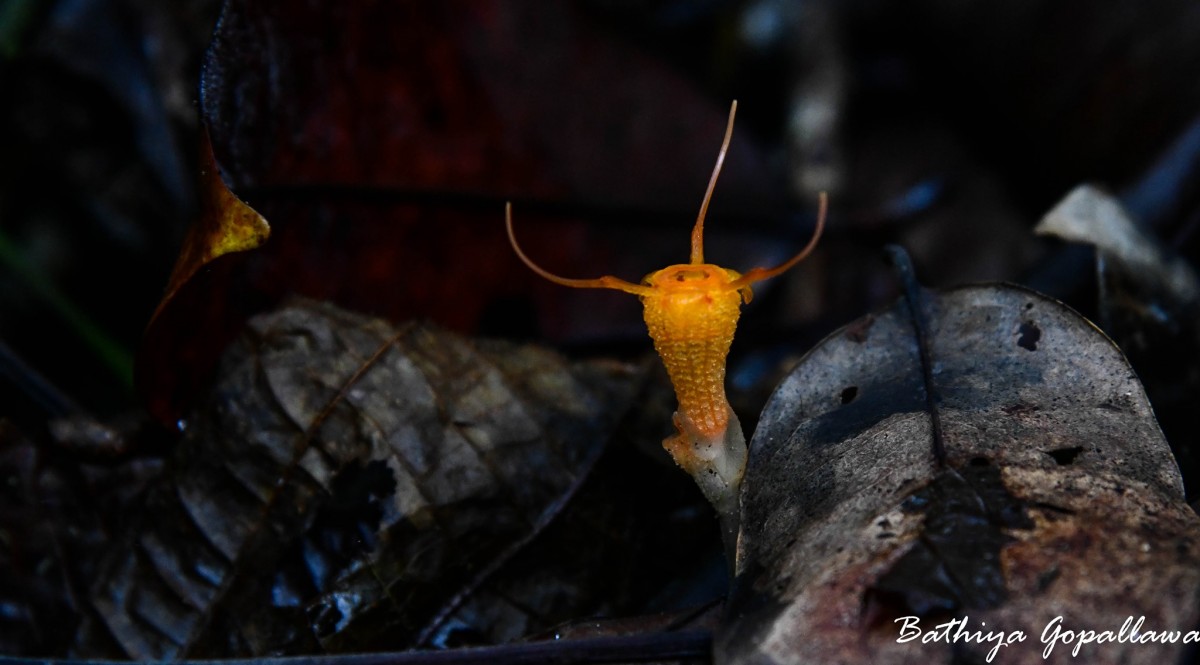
x,y
518,99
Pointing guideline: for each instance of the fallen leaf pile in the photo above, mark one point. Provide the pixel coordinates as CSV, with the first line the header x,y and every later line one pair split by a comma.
x,y
345,482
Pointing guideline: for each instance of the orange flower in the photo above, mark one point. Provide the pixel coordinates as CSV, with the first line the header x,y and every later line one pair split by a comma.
x,y
691,311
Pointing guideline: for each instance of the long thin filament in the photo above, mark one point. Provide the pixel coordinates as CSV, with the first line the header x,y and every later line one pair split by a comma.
x,y
698,229
606,282
758,274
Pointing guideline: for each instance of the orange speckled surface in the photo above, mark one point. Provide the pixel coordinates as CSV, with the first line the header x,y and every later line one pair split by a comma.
x,y
692,319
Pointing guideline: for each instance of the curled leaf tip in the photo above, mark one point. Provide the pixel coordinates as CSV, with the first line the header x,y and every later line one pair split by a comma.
x,y
226,224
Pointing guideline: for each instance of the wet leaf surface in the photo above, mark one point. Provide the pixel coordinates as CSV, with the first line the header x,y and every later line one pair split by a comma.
x,y
345,483
1057,495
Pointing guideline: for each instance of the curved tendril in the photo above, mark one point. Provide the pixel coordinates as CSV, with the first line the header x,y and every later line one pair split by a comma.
x,y
605,282
698,229
758,274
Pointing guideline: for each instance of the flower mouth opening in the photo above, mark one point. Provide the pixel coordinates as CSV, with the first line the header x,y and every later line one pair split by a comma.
x,y
688,277
691,275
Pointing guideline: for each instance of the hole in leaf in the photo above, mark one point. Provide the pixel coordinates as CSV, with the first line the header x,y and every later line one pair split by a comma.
x,y
1029,335
1064,456
849,394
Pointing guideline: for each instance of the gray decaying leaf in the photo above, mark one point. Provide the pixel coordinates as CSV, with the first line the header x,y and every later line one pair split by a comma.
x,y
346,482
1058,496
